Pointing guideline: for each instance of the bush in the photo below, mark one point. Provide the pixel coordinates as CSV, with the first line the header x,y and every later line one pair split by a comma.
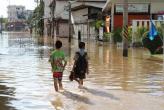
x,y
106,36
140,33
117,37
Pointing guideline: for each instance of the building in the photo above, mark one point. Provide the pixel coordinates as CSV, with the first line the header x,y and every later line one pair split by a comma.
x,y
17,17
137,10
16,13
60,16
47,18
28,14
84,13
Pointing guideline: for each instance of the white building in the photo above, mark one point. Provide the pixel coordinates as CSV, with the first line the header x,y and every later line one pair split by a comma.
x,y
17,17
16,13
84,12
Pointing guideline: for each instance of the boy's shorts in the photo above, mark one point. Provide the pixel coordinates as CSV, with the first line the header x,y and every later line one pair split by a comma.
x,y
57,75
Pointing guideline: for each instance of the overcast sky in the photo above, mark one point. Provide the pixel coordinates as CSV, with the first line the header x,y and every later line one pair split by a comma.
x,y
29,4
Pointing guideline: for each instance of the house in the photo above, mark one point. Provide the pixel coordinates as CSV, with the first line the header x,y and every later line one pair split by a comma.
x,y
60,16
137,10
84,13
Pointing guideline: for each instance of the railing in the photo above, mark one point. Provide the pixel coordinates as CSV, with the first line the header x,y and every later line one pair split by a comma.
x,y
143,23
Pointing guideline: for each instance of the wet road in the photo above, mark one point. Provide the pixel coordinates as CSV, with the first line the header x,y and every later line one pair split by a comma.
x,y
26,82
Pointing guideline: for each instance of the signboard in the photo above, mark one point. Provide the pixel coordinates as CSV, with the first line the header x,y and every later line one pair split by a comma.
x,y
133,8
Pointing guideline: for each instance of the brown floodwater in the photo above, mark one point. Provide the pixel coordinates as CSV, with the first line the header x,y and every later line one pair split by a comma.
x,y
26,82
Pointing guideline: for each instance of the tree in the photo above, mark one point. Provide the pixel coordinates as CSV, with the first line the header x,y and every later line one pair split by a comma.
x,y
37,18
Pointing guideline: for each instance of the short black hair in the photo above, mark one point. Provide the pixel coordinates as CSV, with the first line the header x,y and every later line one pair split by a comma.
x,y
81,45
58,44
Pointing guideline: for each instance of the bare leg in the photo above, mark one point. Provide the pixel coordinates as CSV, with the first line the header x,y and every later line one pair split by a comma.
x,y
77,80
80,83
56,84
60,84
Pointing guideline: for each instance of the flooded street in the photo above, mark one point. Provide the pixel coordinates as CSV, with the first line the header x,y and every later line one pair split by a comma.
x,y
114,82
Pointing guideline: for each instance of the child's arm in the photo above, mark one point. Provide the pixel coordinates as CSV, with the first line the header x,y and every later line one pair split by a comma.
x,y
51,61
65,61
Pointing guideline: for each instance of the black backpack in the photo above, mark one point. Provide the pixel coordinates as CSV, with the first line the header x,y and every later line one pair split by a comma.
x,y
81,64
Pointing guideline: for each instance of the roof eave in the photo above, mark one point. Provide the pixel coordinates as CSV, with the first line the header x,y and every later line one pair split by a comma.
x,y
107,6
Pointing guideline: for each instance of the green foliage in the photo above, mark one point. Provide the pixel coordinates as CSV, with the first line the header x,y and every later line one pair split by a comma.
x,y
99,23
159,29
117,37
129,34
139,34
37,18
106,36
4,20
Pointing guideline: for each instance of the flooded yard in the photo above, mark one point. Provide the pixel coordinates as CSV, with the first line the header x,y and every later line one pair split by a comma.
x,y
113,83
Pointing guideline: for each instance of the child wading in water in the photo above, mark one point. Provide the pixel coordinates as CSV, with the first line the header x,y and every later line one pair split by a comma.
x,y
58,64
80,67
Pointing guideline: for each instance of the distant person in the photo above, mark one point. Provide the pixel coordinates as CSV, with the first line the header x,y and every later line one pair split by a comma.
x,y
80,67
58,63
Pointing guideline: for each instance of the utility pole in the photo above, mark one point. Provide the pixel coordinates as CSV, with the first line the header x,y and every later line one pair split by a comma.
x,y
70,24
53,5
125,28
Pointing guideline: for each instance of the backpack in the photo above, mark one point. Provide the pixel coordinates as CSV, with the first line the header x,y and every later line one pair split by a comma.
x,y
80,64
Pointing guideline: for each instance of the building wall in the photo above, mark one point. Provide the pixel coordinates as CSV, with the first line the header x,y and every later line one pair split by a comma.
x,y
156,7
47,16
63,29
85,30
118,19
61,10
47,9
61,13
78,16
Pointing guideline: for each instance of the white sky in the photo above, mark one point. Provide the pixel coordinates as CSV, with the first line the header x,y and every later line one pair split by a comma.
x,y
29,4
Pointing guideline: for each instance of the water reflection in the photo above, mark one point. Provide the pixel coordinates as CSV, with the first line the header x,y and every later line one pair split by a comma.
x,y
6,96
26,82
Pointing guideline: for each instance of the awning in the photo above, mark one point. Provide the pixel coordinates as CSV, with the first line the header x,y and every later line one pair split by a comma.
x,y
107,6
